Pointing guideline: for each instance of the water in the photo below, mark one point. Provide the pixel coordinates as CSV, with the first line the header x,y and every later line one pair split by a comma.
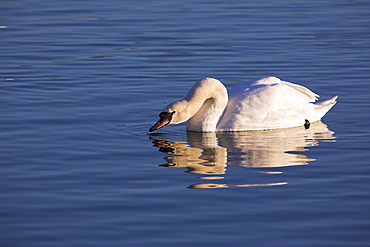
x,y
81,83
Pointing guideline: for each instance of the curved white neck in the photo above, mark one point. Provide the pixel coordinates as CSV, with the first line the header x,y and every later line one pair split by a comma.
x,y
207,100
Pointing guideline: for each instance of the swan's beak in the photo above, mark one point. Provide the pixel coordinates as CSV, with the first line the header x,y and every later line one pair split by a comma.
x,y
161,123
164,119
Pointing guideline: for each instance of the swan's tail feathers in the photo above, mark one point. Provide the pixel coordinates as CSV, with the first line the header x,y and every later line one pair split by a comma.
x,y
323,107
331,102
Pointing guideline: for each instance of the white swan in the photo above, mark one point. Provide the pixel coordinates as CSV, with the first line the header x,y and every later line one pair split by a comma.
x,y
267,103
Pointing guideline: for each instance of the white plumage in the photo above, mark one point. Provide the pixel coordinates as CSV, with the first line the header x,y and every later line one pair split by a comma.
x,y
267,103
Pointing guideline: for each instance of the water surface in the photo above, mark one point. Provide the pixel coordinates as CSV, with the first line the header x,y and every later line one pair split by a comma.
x,y
81,83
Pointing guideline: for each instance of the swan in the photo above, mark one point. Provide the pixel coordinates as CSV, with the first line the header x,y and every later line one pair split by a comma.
x,y
266,103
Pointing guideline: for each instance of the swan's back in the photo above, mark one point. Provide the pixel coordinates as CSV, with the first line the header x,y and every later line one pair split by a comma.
x,y
270,103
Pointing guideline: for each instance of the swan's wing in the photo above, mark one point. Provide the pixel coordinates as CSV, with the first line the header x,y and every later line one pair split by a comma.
x,y
269,105
303,90
274,80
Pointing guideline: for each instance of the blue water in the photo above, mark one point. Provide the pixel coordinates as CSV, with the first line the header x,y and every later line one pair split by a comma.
x,y
82,82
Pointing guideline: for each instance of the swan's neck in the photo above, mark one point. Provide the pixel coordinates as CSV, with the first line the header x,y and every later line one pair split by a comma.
x,y
207,100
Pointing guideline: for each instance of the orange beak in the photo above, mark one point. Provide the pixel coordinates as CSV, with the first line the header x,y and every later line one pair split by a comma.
x,y
164,119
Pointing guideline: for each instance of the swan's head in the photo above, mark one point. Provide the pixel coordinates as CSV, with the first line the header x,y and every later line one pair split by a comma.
x,y
174,113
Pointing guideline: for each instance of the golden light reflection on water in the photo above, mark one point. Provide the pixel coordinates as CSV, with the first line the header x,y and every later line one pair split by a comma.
x,y
215,186
211,153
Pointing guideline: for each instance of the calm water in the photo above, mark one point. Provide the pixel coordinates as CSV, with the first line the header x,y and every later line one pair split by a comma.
x,y
82,82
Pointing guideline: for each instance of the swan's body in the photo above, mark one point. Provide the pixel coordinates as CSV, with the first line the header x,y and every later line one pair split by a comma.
x,y
267,103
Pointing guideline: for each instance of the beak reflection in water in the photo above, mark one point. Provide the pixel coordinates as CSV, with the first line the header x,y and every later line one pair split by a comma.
x,y
209,154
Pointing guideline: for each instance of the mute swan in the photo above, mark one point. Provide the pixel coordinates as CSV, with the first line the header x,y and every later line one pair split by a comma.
x,y
267,103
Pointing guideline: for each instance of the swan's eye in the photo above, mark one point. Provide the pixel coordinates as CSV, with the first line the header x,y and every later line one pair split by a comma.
x,y
167,115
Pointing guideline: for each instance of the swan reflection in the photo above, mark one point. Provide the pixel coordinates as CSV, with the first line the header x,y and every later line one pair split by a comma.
x,y
210,153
